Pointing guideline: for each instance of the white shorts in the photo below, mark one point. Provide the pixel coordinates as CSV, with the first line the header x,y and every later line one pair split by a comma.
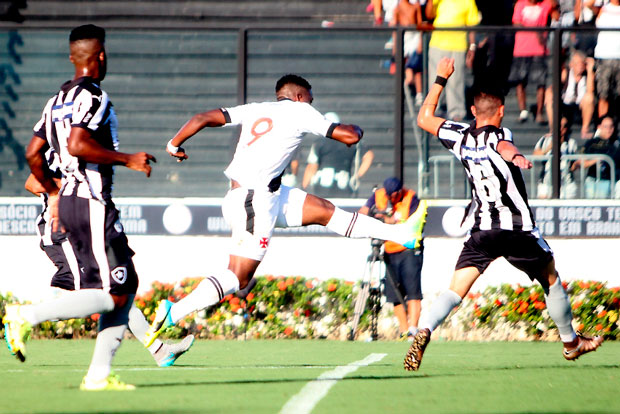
x,y
253,214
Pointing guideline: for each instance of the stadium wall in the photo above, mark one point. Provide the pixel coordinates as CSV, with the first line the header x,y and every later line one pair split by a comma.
x,y
581,250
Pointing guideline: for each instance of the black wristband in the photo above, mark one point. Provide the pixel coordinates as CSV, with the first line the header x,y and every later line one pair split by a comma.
x,y
518,154
440,80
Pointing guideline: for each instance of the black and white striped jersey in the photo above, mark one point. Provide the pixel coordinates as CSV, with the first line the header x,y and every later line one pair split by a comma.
x,y
81,103
499,197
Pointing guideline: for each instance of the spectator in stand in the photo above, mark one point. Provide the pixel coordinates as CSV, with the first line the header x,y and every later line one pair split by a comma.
x,y
568,187
334,171
607,53
290,173
529,63
382,10
604,142
577,93
585,16
409,13
493,56
452,13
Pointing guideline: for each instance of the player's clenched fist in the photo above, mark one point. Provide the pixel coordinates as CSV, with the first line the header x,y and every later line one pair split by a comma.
x,y
445,67
140,162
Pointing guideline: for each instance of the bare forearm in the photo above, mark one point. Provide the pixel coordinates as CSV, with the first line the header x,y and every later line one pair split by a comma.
x,y
213,118
89,150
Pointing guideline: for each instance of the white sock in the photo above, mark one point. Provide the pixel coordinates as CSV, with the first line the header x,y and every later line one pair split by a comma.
x,y
558,306
138,327
108,341
440,309
209,292
75,304
112,327
356,226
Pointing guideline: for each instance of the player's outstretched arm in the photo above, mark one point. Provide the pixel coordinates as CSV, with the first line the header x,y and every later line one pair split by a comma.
x,y
213,118
510,153
82,145
348,134
426,117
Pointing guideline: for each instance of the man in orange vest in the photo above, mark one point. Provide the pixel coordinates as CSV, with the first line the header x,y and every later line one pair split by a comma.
x,y
394,203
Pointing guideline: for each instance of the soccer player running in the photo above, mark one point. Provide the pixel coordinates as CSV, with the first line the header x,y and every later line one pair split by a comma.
x,y
257,202
57,247
80,124
503,221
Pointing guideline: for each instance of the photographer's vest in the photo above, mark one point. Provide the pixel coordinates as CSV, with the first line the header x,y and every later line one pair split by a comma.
x,y
402,207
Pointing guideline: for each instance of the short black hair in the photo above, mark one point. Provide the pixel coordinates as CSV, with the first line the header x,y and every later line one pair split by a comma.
x,y
294,79
87,31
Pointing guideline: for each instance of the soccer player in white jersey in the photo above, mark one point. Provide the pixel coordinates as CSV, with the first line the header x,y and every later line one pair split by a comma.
x,y
257,202
79,123
503,222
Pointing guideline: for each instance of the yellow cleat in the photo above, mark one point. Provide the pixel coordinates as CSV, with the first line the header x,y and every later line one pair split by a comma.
x,y
16,331
161,322
111,383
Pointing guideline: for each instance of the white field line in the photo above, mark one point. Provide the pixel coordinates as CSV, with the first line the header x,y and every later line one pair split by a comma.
x,y
310,395
121,369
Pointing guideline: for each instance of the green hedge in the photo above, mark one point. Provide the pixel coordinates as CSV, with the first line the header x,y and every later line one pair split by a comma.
x,y
296,307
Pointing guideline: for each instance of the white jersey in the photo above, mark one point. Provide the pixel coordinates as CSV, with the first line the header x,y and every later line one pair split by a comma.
x,y
270,133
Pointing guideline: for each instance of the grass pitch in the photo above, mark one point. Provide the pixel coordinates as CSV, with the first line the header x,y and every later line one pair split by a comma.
x,y
262,376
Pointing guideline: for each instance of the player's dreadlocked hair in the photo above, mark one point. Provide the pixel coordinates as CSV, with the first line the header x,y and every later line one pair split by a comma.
x,y
87,31
294,79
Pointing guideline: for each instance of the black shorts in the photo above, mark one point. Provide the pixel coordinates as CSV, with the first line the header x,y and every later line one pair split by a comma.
x,y
406,270
56,246
525,250
100,245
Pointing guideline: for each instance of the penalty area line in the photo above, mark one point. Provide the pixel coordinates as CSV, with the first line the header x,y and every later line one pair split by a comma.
x,y
314,391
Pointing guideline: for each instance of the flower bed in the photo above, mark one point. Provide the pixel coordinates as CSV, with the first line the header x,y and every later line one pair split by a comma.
x,y
295,307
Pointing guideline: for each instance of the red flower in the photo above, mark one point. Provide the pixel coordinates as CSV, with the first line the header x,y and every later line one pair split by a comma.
x,y
296,313
539,305
523,308
282,285
331,287
308,312
269,277
599,327
288,331
577,304
309,285
505,313
234,301
519,290
533,296
234,307
349,283
95,317
565,285
199,327
290,281
250,296
580,327
602,314
498,302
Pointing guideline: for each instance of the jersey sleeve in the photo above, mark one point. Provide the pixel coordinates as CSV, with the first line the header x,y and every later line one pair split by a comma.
x,y
235,115
40,128
451,133
312,121
87,110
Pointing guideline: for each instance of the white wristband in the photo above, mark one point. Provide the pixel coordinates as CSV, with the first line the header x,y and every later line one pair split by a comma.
x,y
171,148
472,47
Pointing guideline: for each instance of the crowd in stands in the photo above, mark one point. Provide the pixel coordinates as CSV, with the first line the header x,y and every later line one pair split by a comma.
x,y
500,61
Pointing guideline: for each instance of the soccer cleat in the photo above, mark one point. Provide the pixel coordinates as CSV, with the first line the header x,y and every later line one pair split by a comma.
x,y
406,337
584,345
111,383
161,322
16,331
413,358
169,353
415,225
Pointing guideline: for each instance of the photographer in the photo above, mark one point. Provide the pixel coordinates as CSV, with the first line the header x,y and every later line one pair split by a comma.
x,y
394,203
